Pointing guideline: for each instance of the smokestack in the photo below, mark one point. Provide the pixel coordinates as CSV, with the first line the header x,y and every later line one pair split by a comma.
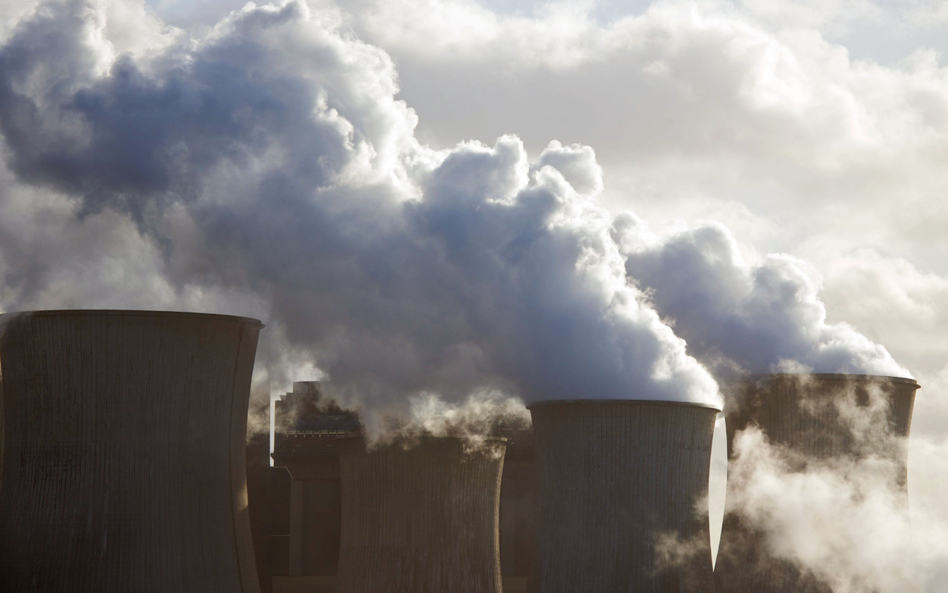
x,y
125,435
420,519
811,415
616,479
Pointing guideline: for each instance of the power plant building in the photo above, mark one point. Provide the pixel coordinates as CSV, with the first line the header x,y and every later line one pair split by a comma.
x,y
306,487
618,483
124,452
813,417
300,515
420,517
124,467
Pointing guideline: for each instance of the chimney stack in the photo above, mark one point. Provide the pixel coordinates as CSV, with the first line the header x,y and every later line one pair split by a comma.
x,y
811,416
618,481
124,463
420,518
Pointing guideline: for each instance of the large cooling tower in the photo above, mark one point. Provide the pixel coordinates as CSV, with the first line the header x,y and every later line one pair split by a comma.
x,y
124,452
422,519
619,481
819,417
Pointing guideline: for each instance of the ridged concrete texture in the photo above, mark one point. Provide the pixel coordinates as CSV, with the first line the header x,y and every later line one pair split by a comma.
x,y
420,520
618,484
808,414
124,467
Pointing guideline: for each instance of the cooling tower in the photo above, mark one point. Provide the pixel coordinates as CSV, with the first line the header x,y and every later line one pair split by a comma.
x,y
124,468
619,481
819,417
422,519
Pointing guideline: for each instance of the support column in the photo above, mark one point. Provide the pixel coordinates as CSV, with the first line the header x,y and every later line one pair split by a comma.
x,y
296,528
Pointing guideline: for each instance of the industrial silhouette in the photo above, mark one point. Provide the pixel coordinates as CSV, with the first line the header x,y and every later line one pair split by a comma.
x,y
122,468
420,517
614,477
124,437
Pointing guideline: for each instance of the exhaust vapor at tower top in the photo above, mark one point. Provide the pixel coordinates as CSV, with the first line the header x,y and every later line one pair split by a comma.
x,y
815,422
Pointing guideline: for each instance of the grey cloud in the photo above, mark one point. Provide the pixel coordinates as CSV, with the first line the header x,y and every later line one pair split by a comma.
x,y
692,107
129,140
266,168
577,164
757,318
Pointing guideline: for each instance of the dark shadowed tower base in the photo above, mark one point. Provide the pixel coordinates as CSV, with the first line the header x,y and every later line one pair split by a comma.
x,y
124,453
618,484
812,416
422,519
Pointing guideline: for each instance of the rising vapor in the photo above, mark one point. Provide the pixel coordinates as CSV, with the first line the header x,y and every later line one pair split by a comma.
x,y
744,318
265,168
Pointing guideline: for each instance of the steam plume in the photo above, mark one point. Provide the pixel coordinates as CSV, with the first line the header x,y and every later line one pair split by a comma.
x,y
741,317
266,168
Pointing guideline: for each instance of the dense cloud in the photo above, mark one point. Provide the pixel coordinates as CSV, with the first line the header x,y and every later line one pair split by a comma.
x,y
735,317
265,168
810,128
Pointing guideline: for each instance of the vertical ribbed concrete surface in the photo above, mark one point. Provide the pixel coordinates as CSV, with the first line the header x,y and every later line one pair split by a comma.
x,y
618,483
420,520
808,415
124,453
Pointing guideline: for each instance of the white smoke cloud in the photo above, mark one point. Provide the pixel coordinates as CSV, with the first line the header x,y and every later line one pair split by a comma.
x,y
265,168
843,521
749,112
757,318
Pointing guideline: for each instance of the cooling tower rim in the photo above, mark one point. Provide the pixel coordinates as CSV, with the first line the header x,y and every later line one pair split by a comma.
x,y
492,439
604,402
130,313
838,377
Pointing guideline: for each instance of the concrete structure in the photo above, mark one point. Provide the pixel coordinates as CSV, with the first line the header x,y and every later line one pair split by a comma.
x,y
299,517
124,442
809,414
619,480
420,519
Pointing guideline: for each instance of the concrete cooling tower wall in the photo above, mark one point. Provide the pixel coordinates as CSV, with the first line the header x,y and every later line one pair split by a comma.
x,y
422,519
810,415
618,485
124,452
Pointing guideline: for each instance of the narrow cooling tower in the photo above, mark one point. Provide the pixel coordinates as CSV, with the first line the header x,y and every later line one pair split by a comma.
x,y
619,481
815,417
124,452
422,519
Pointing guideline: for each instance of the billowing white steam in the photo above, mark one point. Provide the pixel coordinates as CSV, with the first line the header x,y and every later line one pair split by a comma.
x,y
267,169
736,316
842,520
